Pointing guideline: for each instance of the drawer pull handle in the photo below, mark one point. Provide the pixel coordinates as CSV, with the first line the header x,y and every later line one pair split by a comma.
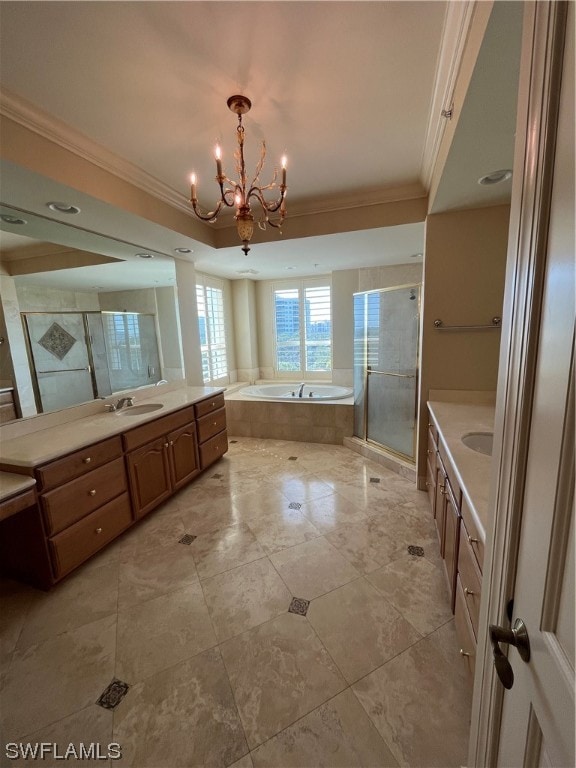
x,y
92,492
214,423
464,653
443,490
472,540
171,442
427,484
87,460
213,404
98,530
166,445
428,452
468,591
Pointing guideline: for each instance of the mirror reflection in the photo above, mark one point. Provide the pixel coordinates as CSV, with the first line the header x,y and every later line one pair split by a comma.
x,y
76,324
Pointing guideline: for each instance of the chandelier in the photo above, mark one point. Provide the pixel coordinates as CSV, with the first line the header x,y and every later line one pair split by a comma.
x,y
239,193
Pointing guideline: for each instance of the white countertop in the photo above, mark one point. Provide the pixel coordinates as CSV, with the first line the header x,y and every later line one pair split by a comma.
x,y
473,469
44,445
12,484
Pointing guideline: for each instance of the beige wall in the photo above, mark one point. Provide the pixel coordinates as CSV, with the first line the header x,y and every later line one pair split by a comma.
x,y
374,278
188,313
344,286
464,268
245,329
40,298
139,300
169,334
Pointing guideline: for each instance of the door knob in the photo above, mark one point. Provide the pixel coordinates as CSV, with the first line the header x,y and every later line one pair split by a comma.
x,y
518,637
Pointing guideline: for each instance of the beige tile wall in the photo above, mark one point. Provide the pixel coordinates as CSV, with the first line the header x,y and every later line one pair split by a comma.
x,y
306,422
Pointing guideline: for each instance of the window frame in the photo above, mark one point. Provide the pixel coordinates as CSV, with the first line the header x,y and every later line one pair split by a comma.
x,y
300,285
205,282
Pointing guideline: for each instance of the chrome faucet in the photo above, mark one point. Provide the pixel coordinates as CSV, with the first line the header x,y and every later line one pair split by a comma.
x,y
128,401
300,390
162,381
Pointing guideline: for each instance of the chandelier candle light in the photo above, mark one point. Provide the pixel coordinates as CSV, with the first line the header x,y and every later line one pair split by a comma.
x,y
238,194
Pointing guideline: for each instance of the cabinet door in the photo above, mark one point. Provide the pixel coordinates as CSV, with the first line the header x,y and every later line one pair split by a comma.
x,y
451,537
149,473
440,506
183,449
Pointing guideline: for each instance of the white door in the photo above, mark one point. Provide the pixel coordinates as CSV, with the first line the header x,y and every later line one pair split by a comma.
x,y
532,724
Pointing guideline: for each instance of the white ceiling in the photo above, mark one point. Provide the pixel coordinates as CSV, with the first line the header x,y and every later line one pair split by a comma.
x,y
344,88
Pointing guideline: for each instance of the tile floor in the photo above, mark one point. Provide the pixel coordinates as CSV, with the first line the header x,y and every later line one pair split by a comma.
x,y
219,671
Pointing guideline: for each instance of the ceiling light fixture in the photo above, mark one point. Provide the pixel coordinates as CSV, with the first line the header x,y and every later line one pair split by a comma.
x,y
145,255
495,177
12,219
183,250
63,208
239,193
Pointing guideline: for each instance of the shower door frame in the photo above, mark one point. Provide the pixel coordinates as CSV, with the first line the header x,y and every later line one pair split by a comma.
x,y
30,354
368,372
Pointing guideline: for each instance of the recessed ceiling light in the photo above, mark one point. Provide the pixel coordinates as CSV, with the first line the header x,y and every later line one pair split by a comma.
x,y
183,250
63,208
13,219
247,272
289,267
145,255
495,177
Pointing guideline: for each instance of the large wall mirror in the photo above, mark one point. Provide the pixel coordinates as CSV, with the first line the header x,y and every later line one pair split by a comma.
x,y
82,316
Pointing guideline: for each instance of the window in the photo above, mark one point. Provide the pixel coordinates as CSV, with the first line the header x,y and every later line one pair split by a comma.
x,y
123,341
210,301
303,328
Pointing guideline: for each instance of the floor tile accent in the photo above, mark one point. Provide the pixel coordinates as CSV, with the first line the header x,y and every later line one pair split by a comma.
x,y
188,538
414,550
294,505
279,672
113,694
374,479
292,458
299,606
338,734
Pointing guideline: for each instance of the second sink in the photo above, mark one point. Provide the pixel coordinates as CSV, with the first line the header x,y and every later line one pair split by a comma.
x,y
138,410
481,442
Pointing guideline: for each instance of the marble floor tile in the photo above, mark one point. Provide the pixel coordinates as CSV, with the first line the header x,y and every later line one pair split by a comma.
x,y
330,512
281,530
338,734
180,717
149,535
161,632
155,573
360,629
313,568
58,677
87,596
266,502
92,725
413,697
244,762
209,515
279,672
303,489
367,545
225,549
417,589
244,597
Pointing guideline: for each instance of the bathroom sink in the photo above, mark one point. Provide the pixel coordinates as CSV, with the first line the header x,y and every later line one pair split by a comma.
x,y
481,442
138,410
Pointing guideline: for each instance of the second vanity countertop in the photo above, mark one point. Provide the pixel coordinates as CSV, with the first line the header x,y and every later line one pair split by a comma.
x,y
12,484
473,469
53,442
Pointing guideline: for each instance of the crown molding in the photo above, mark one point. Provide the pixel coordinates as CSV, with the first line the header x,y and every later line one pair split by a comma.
x,y
33,118
454,35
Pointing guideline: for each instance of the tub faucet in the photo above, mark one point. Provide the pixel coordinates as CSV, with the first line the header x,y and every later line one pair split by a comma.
x,y
300,390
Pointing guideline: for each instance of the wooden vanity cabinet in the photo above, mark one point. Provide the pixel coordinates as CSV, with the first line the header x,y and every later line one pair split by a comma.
x,y
212,436
451,541
432,467
161,465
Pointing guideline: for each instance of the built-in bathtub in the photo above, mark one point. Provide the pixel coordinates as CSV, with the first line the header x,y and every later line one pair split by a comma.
x,y
290,391
270,411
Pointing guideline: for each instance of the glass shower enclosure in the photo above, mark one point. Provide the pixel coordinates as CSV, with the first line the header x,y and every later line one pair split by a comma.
x,y
386,338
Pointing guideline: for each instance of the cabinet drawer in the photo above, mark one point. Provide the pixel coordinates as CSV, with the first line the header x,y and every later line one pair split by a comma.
x,y
472,533
464,631
6,398
210,404
79,463
81,540
212,449
432,448
76,499
152,430
470,578
210,425
431,487
7,413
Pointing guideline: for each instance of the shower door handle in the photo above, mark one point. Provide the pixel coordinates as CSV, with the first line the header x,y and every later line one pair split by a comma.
x,y
67,370
389,373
